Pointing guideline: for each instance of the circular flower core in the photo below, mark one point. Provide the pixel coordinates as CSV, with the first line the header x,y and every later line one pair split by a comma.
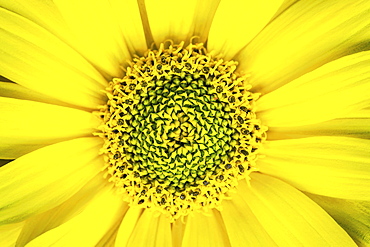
x,y
179,130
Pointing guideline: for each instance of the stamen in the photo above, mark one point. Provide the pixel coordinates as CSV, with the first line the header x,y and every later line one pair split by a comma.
x,y
180,130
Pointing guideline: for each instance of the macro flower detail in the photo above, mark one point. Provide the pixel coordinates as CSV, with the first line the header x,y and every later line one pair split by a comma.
x,y
180,130
197,123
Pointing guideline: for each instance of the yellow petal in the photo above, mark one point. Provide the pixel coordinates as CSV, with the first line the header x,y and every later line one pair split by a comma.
x,y
47,177
9,234
334,90
205,230
28,125
305,36
237,22
362,112
179,21
49,66
46,14
330,166
128,17
241,224
155,228
352,216
87,228
11,151
203,18
128,225
109,239
43,13
38,224
291,218
149,230
350,127
13,90
170,20
98,33
178,229
284,6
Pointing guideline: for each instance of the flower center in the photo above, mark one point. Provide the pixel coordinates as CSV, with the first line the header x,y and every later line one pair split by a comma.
x,y
180,130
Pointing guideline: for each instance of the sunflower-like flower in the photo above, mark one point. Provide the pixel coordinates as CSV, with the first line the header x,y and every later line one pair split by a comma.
x,y
185,123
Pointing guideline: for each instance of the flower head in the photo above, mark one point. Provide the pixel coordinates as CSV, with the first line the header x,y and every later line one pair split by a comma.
x,y
206,123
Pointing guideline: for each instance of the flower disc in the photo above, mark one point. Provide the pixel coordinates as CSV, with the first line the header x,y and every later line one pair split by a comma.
x,y
179,130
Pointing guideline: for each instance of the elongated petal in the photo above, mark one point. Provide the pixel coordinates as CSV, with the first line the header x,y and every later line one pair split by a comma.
x,y
16,91
144,229
28,125
9,234
237,22
87,228
110,236
330,166
242,225
203,18
179,22
334,90
46,14
11,151
350,127
128,225
352,216
205,230
36,225
34,58
98,33
43,13
284,6
128,17
305,36
45,178
178,229
169,21
290,217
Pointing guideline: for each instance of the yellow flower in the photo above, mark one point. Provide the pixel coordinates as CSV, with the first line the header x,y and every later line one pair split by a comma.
x,y
69,177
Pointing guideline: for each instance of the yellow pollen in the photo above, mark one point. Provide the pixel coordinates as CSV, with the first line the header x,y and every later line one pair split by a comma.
x,y
180,130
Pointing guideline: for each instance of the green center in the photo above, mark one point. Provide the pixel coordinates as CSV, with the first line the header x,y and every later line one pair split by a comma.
x,y
178,133
179,130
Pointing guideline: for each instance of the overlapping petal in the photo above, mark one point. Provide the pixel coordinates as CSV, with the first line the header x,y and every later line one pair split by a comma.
x,y
205,230
88,227
9,234
179,24
353,216
350,127
36,225
45,178
29,125
156,229
331,166
34,58
290,217
237,22
305,36
98,33
44,13
128,225
168,21
336,90
178,229
243,228
127,15
16,91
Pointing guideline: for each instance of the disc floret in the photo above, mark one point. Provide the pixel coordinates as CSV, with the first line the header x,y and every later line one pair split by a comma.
x,y
179,130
